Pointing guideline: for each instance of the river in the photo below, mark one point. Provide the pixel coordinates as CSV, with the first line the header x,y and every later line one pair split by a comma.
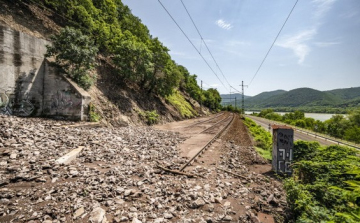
x,y
317,116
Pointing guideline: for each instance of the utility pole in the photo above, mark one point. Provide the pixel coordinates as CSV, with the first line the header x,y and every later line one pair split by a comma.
x,y
242,106
235,102
230,95
201,97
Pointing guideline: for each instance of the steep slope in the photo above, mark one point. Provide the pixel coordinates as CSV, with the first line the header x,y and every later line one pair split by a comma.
x,y
118,101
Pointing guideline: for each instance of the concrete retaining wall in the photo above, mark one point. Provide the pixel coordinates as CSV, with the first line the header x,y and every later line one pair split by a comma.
x,y
62,97
31,85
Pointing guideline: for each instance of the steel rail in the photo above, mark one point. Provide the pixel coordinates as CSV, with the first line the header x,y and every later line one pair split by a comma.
x,y
201,151
214,125
217,116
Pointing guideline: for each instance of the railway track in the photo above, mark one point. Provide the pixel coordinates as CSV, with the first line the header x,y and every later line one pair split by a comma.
x,y
215,130
207,120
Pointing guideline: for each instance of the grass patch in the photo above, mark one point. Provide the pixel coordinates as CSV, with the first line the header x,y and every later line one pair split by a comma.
x,y
263,139
266,154
183,106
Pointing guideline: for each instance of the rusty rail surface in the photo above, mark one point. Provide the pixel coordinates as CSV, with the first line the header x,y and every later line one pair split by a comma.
x,y
215,137
208,120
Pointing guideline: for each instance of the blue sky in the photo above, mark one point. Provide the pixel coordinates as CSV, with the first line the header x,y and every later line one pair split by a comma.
x,y
319,47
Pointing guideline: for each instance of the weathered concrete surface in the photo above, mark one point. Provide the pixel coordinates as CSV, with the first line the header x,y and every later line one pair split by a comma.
x,y
33,87
21,66
62,97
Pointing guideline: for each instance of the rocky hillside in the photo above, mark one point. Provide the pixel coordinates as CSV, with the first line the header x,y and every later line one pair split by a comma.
x,y
118,100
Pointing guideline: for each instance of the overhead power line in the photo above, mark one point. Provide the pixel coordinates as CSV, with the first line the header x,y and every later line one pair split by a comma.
x,y
235,89
202,39
273,42
191,43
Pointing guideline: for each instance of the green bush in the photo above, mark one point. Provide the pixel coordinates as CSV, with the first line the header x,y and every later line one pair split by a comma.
x,y
93,115
150,117
304,150
326,184
339,126
74,54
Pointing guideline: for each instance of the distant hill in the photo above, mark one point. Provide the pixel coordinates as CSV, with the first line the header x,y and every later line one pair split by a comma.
x,y
305,97
230,98
265,95
346,93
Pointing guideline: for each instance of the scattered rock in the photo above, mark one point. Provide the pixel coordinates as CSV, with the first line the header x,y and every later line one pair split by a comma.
x,y
78,212
97,215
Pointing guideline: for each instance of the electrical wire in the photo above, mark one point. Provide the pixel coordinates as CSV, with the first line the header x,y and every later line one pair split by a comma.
x,y
202,39
191,43
235,89
273,43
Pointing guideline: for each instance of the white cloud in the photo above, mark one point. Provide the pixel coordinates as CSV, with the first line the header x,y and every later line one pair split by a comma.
x,y
224,25
298,43
326,44
322,7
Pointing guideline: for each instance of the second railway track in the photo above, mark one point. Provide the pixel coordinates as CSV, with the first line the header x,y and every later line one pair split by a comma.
x,y
200,134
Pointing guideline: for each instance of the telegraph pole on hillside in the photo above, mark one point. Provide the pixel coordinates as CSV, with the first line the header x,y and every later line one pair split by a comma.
x,y
230,95
201,97
242,106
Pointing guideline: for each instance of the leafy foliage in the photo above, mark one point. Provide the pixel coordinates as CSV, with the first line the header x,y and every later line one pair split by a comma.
x,y
337,126
326,183
75,54
93,115
119,35
150,117
212,99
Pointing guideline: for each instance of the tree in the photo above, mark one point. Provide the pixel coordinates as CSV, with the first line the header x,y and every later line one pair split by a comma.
x,y
273,116
300,123
264,112
336,126
212,99
319,126
354,117
310,122
75,54
352,134
133,58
